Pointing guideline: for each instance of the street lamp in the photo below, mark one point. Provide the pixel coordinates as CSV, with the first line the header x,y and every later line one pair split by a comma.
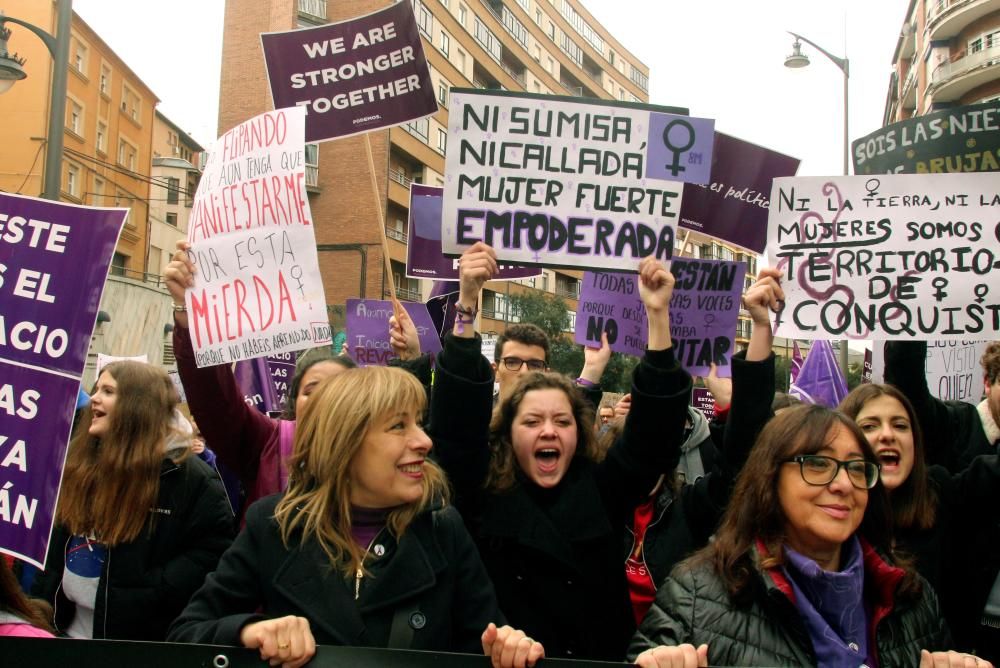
x,y
11,72
796,60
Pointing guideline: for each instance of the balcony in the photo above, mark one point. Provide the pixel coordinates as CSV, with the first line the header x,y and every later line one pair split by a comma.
x,y
315,9
947,18
400,178
312,178
408,295
908,96
950,81
393,233
568,291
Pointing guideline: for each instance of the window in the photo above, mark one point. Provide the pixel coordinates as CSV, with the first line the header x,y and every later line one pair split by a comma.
x,y
419,128
173,190
639,79
525,5
118,264
489,41
538,53
74,121
463,14
79,57
571,48
570,321
538,86
611,58
425,21
312,154
552,31
127,154
621,95
582,27
445,43
73,175
442,141
97,195
105,84
102,137
131,103
172,219
515,27
443,94
538,17
552,66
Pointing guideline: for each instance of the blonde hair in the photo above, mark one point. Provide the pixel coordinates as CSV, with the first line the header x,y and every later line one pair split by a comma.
x,y
328,436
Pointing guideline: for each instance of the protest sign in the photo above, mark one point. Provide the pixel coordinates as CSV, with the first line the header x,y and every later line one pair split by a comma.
x,y
704,309
104,360
424,258
257,289
368,330
489,346
353,76
888,257
282,369
254,379
54,259
866,370
952,368
703,400
959,139
820,381
733,206
568,182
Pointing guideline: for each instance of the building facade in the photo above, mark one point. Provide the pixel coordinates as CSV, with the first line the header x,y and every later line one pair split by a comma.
x,y
539,46
947,55
108,133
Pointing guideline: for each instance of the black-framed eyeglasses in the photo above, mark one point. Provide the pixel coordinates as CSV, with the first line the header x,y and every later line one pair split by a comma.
x,y
515,364
821,470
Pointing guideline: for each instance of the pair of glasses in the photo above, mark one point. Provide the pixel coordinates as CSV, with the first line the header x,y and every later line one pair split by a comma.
x,y
820,470
515,364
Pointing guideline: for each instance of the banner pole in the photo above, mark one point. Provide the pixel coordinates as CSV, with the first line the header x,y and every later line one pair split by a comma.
x,y
396,306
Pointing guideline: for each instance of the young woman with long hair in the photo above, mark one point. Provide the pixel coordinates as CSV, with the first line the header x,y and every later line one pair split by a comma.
x,y
20,615
362,548
139,523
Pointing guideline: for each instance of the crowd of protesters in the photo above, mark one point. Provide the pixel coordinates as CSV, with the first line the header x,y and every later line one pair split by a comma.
x,y
396,508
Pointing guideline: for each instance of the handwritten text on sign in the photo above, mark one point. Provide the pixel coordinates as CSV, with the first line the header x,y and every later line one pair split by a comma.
x,y
704,309
257,287
368,330
568,183
888,257
952,369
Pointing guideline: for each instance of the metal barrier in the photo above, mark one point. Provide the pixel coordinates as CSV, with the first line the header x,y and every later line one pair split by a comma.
x,y
46,653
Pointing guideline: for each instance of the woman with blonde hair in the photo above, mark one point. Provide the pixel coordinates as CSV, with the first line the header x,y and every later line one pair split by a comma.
x,y
139,523
362,548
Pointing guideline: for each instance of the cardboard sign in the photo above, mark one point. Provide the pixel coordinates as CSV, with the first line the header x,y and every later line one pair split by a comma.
x,y
952,368
888,257
424,258
568,182
734,205
54,260
257,288
960,139
704,309
368,330
353,76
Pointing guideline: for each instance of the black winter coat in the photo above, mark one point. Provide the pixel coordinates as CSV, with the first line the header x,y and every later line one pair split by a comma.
x,y
147,582
693,606
428,591
683,522
555,555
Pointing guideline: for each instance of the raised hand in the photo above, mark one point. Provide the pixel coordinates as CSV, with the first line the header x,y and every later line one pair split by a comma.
x,y
179,276
595,360
403,336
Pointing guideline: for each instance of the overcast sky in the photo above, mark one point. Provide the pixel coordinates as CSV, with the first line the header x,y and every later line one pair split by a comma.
x,y
723,59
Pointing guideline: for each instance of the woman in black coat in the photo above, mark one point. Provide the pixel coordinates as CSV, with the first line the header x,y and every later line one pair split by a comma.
x,y
546,516
360,550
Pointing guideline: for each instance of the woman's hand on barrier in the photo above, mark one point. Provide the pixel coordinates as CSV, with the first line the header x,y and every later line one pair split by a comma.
x,y
951,660
285,642
510,648
681,656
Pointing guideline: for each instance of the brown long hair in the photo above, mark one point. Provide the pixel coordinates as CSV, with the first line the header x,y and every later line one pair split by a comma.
x,y
110,484
340,412
754,511
503,464
914,503
13,600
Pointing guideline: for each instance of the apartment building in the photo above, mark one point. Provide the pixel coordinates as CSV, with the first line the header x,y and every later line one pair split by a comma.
x,y
947,55
539,46
108,132
175,175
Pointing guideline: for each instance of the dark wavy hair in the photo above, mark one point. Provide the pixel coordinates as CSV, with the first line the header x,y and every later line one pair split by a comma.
x,y
754,511
991,362
503,464
914,503
305,362
524,333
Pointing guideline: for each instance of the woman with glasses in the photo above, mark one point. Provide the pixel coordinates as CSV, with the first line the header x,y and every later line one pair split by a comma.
x,y
801,571
547,516
947,521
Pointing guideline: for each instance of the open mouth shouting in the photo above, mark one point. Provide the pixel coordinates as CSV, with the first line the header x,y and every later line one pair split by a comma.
x,y
889,458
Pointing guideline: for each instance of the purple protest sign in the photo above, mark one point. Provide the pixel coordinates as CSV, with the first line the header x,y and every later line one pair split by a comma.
x,y
423,250
680,148
354,76
734,205
54,258
368,330
703,400
703,313
282,368
254,378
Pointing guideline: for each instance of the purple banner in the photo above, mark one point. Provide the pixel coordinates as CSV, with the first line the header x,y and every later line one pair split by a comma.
x,y
254,378
353,76
282,368
734,205
703,313
423,250
53,262
703,400
820,381
368,330
680,148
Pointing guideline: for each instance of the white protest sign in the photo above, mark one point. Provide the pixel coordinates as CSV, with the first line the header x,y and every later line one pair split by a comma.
x,y
104,360
565,182
952,368
901,256
489,346
257,287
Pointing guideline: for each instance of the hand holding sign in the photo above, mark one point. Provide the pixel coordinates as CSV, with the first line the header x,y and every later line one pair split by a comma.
x,y
595,360
403,336
179,275
477,265
763,296
656,286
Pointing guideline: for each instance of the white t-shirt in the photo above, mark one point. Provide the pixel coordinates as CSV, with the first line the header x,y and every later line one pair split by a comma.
x,y
85,559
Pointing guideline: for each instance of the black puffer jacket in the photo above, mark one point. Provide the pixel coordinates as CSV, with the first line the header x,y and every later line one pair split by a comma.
x,y
693,606
148,581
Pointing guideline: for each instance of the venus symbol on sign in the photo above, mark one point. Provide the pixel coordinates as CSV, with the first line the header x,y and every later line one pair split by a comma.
x,y
675,166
